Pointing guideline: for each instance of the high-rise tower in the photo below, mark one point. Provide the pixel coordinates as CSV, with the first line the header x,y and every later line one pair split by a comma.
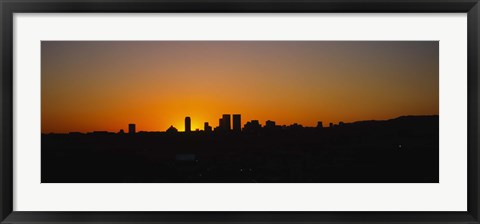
x,y
237,122
226,124
188,124
131,128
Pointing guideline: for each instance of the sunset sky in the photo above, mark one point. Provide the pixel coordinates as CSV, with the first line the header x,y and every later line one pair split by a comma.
x,y
105,85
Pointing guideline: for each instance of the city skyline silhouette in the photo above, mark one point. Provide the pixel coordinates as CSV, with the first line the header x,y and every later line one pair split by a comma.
x,y
399,150
222,127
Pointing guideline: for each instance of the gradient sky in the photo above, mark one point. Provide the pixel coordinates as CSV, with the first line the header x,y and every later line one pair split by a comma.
x,y
105,85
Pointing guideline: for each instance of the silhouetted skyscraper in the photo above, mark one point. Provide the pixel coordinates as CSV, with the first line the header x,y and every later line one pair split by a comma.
x,y
131,128
226,124
331,125
237,122
207,127
319,124
188,124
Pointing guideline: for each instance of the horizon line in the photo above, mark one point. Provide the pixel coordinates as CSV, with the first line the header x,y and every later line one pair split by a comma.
x,y
331,124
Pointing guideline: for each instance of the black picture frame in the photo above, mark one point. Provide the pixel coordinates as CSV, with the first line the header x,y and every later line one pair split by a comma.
x,y
9,7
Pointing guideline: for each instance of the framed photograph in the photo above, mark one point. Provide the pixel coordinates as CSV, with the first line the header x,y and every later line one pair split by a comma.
x,y
239,111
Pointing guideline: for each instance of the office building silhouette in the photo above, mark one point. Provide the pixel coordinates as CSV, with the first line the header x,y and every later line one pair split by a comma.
x,y
270,124
319,124
207,127
188,124
237,123
131,128
226,124
252,127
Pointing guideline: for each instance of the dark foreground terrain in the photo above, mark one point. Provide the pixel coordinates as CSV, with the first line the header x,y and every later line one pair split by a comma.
x,y
401,150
